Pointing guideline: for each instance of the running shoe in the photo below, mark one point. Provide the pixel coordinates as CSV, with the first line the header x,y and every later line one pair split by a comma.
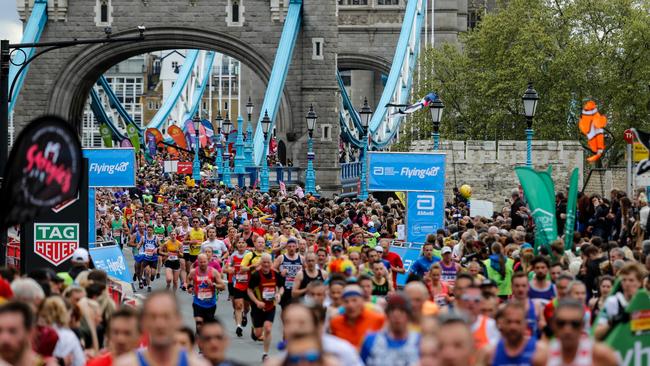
x,y
141,285
148,288
253,336
264,357
183,288
244,319
135,277
158,275
239,332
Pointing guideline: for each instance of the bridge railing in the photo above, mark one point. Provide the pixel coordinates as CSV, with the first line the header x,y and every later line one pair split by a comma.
x,y
350,171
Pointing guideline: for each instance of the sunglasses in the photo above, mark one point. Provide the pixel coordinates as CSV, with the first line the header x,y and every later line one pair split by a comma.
x,y
575,324
471,298
309,356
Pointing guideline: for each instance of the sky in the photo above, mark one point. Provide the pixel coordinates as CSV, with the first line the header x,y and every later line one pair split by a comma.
x,y
10,25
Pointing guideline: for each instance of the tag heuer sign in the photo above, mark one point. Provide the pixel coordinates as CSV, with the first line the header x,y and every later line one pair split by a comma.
x,y
56,242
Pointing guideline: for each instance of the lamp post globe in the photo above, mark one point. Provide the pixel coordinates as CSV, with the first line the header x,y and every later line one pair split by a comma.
x,y
196,164
435,109
529,99
264,174
310,175
366,115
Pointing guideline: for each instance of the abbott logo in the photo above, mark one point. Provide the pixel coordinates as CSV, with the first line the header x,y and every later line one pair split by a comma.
x,y
379,170
426,202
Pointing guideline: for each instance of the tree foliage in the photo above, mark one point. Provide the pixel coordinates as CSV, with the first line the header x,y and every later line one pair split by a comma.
x,y
571,50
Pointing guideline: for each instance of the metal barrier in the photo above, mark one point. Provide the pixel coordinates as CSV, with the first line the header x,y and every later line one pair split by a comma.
x,y
350,173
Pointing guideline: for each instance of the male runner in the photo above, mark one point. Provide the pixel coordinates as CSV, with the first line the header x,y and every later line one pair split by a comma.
x,y
534,312
206,281
288,265
150,256
265,289
516,346
237,285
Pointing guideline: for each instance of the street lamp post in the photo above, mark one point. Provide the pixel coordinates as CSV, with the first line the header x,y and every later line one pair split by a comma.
x,y
365,113
218,160
530,99
227,127
264,175
436,116
196,164
240,161
310,175
248,143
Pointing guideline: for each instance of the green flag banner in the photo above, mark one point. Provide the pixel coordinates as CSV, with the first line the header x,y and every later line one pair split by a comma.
x,y
540,194
631,340
107,137
572,199
132,132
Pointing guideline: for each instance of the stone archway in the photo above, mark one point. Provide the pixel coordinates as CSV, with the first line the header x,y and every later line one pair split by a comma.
x,y
73,83
352,61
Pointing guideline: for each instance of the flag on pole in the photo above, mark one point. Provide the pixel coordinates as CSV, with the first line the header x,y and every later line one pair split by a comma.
x,y
406,109
540,194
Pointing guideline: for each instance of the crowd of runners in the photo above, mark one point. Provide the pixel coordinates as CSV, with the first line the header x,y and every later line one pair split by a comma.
x,y
479,294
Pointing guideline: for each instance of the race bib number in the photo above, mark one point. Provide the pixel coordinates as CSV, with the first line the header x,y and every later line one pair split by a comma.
x,y
268,294
205,294
149,252
186,248
241,278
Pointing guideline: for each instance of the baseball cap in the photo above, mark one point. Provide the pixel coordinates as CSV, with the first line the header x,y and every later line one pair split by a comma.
x,y
445,250
337,248
379,248
292,240
371,224
80,255
526,246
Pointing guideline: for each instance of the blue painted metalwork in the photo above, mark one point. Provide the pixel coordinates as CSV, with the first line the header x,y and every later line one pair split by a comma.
x,y
278,77
31,34
310,175
363,191
397,86
529,147
183,76
248,146
100,114
240,160
225,177
218,159
436,140
264,175
200,88
347,103
115,103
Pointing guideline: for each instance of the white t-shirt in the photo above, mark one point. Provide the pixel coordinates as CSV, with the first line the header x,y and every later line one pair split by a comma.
x,y
218,247
611,308
67,344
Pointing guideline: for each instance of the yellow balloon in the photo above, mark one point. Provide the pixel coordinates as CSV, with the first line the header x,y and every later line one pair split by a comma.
x,y
465,191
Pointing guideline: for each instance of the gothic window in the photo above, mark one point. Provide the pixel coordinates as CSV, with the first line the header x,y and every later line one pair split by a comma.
x,y
103,13
235,11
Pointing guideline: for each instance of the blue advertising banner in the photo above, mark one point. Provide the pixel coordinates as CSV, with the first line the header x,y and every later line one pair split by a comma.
x,y
424,214
406,171
111,167
409,256
110,259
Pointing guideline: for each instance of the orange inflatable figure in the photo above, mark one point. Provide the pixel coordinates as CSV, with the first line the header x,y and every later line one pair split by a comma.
x,y
592,125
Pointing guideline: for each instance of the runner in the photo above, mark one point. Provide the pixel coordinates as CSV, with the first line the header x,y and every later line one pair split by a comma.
x,y
288,265
206,282
265,289
516,346
171,251
161,232
534,315
570,347
196,237
136,241
308,274
218,247
150,256
541,290
238,286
